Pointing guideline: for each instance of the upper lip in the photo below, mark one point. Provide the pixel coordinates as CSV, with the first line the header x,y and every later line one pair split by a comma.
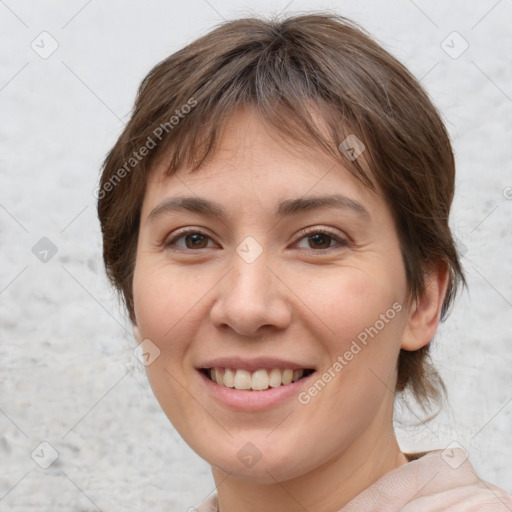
x,y
252,364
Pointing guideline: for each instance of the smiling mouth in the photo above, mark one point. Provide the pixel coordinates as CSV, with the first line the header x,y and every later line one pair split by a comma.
x,y
259,380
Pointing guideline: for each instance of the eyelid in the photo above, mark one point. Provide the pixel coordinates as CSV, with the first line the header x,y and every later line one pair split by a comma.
x,y
181,232
342,239
312,230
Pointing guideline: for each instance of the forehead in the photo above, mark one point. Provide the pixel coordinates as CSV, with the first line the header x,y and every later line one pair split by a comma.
x,y
254,162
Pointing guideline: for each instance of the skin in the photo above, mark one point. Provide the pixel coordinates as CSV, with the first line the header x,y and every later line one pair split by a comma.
x,y
303,299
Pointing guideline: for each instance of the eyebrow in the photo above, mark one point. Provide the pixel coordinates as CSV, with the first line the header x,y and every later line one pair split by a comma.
x,y
286,208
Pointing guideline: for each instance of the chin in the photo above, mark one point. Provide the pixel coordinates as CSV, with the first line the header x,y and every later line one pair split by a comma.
x,y
264,461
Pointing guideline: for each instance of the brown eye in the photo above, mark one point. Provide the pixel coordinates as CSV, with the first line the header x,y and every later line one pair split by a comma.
x,y
196,241
321,240
189,240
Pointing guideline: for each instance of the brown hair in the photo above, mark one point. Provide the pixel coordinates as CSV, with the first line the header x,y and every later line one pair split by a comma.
x,y
284,68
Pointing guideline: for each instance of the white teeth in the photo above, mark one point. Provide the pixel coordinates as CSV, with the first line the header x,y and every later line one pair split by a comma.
x,y
229,378
217,376
275,378
287,376
257,381
243,379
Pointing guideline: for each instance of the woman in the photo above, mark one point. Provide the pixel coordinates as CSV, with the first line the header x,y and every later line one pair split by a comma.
x,y
275,215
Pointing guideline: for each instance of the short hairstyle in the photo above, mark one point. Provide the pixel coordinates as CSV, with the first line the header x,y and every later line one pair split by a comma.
x,y
289,70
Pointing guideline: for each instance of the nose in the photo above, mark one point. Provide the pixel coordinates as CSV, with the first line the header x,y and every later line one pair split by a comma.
x,y
251,299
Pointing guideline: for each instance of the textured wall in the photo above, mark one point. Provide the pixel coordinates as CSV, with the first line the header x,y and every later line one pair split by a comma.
x,y
67,373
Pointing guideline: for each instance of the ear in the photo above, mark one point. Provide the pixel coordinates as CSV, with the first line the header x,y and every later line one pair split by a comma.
x,y
425,312
136,333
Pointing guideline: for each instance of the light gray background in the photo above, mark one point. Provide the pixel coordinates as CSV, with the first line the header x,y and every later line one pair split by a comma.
x,y
68,376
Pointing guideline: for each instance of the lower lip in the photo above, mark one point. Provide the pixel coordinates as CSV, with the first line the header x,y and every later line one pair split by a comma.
x,y
248,400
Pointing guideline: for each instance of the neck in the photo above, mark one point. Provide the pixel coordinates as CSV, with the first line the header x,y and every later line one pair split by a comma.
x,y
327,488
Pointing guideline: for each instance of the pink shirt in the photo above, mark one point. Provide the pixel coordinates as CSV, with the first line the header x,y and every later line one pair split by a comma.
x,y
438,480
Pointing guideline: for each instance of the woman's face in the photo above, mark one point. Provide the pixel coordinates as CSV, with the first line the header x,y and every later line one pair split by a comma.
x,y
270,259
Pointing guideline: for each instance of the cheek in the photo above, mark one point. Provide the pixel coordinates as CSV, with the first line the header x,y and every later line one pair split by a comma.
x,y
166,301
360,322
349,302
166,309
169,311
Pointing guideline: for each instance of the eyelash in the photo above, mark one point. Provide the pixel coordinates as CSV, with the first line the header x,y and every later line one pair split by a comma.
x,y
341,242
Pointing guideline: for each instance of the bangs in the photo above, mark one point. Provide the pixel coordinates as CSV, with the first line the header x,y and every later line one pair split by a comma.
x,y
311,125
302,97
